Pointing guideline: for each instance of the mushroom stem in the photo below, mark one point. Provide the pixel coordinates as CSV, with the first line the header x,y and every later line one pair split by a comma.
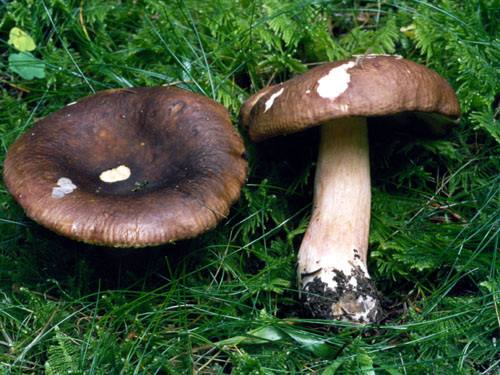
x,y
332,258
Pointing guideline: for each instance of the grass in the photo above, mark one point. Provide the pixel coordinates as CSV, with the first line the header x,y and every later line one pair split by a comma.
x,y
226,302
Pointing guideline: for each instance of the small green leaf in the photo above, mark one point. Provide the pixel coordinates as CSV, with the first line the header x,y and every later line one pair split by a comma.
x,y
269,333
26,65
332,369
261,335
21,40
488,285
316,346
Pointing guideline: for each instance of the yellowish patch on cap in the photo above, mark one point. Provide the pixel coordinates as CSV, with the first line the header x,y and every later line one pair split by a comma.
x,y
120,173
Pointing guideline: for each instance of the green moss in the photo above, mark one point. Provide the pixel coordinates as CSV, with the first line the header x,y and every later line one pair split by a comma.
x,y
434,232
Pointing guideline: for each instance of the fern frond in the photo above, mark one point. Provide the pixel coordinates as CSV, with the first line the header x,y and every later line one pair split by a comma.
x,y
63,356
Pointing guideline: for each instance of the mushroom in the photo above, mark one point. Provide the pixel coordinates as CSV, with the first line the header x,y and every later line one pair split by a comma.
x,y
129,167
339,96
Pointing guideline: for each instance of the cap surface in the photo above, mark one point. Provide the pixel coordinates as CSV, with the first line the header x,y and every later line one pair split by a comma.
x,y
375,85
129,167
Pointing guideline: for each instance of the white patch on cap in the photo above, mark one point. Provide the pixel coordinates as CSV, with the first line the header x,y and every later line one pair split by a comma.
x,y
335,82
374,55
120,173
72,103
64,186
270,101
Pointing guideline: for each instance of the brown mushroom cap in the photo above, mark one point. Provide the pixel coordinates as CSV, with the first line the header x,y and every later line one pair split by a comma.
x,y
176,160
376,85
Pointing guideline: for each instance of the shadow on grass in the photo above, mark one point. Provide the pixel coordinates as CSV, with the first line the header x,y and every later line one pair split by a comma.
x,y
42,257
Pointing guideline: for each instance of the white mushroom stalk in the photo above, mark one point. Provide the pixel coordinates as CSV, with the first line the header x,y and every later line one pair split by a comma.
x,y
332,258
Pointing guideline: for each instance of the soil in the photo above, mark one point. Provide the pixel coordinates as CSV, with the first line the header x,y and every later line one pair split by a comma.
x,y
321,301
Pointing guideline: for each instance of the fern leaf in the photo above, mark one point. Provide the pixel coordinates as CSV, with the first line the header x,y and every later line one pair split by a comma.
x,y
63,356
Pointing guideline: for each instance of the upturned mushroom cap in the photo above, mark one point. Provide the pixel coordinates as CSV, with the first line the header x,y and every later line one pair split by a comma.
x,y
129,167
373,85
